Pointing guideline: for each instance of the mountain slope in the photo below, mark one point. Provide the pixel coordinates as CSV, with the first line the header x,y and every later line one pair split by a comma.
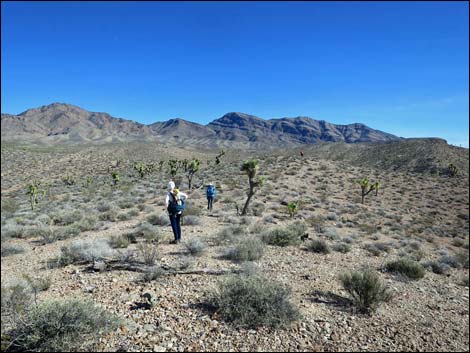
x,y
67,123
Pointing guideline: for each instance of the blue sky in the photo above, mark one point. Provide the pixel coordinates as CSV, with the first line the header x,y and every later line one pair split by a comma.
x,y
400,67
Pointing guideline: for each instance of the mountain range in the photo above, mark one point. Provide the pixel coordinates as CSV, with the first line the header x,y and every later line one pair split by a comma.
x,y
66,123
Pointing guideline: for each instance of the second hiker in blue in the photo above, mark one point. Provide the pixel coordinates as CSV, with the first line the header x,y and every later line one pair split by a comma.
x,y
210,193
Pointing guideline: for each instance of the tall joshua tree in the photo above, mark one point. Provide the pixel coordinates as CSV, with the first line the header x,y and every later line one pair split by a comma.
x,y
251,167
192,168
367,187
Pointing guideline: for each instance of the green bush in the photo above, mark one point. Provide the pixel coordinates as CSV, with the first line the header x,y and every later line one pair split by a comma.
x,y
288,235
119,241
152,274
342,248
406,267
249,249
230,234
365,289
253,301
57,326
318,246
8,250
195,247
83,251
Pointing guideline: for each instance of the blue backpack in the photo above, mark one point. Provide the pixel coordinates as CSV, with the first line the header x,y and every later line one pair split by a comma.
x,y
211,191
174,206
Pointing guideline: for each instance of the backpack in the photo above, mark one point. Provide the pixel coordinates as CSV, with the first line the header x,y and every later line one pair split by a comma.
x,y
211,191
175,206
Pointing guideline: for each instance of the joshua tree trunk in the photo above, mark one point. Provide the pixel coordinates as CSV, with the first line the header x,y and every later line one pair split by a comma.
x,y
250,195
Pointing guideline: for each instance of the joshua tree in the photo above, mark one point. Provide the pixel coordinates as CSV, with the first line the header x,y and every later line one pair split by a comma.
x,y
173,166
88,181
116,178
191,169
293,208
217,158
453,171
33,192
367,187
68,180
142,169
250,167
376,187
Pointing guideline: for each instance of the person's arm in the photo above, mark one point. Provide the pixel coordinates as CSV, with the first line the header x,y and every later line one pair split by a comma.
x,y
182,196
167,200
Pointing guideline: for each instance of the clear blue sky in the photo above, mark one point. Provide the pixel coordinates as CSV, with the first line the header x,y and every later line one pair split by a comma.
x,y
401,67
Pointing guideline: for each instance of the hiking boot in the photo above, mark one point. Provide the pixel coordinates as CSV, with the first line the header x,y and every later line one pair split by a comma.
x,y
173,242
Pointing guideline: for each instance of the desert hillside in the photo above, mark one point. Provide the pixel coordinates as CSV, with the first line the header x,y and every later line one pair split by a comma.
x,y
92,237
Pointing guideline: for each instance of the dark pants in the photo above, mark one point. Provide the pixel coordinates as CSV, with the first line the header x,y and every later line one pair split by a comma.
x,y
176,226
210,201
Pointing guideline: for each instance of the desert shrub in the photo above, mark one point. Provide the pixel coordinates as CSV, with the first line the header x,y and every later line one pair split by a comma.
x,y
125,203
253,301
318,246
38,284
56,326
332,216
257,209
230,234
191,221
47,234
87,223
133,212
63,218
110,215
119,241
250,268
342,248
148,252
366,290
83,251
288,235
13,230
158,220
8,250
406,267
437,267
248,249
104,206
150,233
192,210
317,222
464,281
152,274
67,232
463,258
185,262
377,248
458,260
195,246
331,233
15,299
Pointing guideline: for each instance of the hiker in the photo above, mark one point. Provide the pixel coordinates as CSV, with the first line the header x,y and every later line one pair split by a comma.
x,y
301,153
174,201
210,193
